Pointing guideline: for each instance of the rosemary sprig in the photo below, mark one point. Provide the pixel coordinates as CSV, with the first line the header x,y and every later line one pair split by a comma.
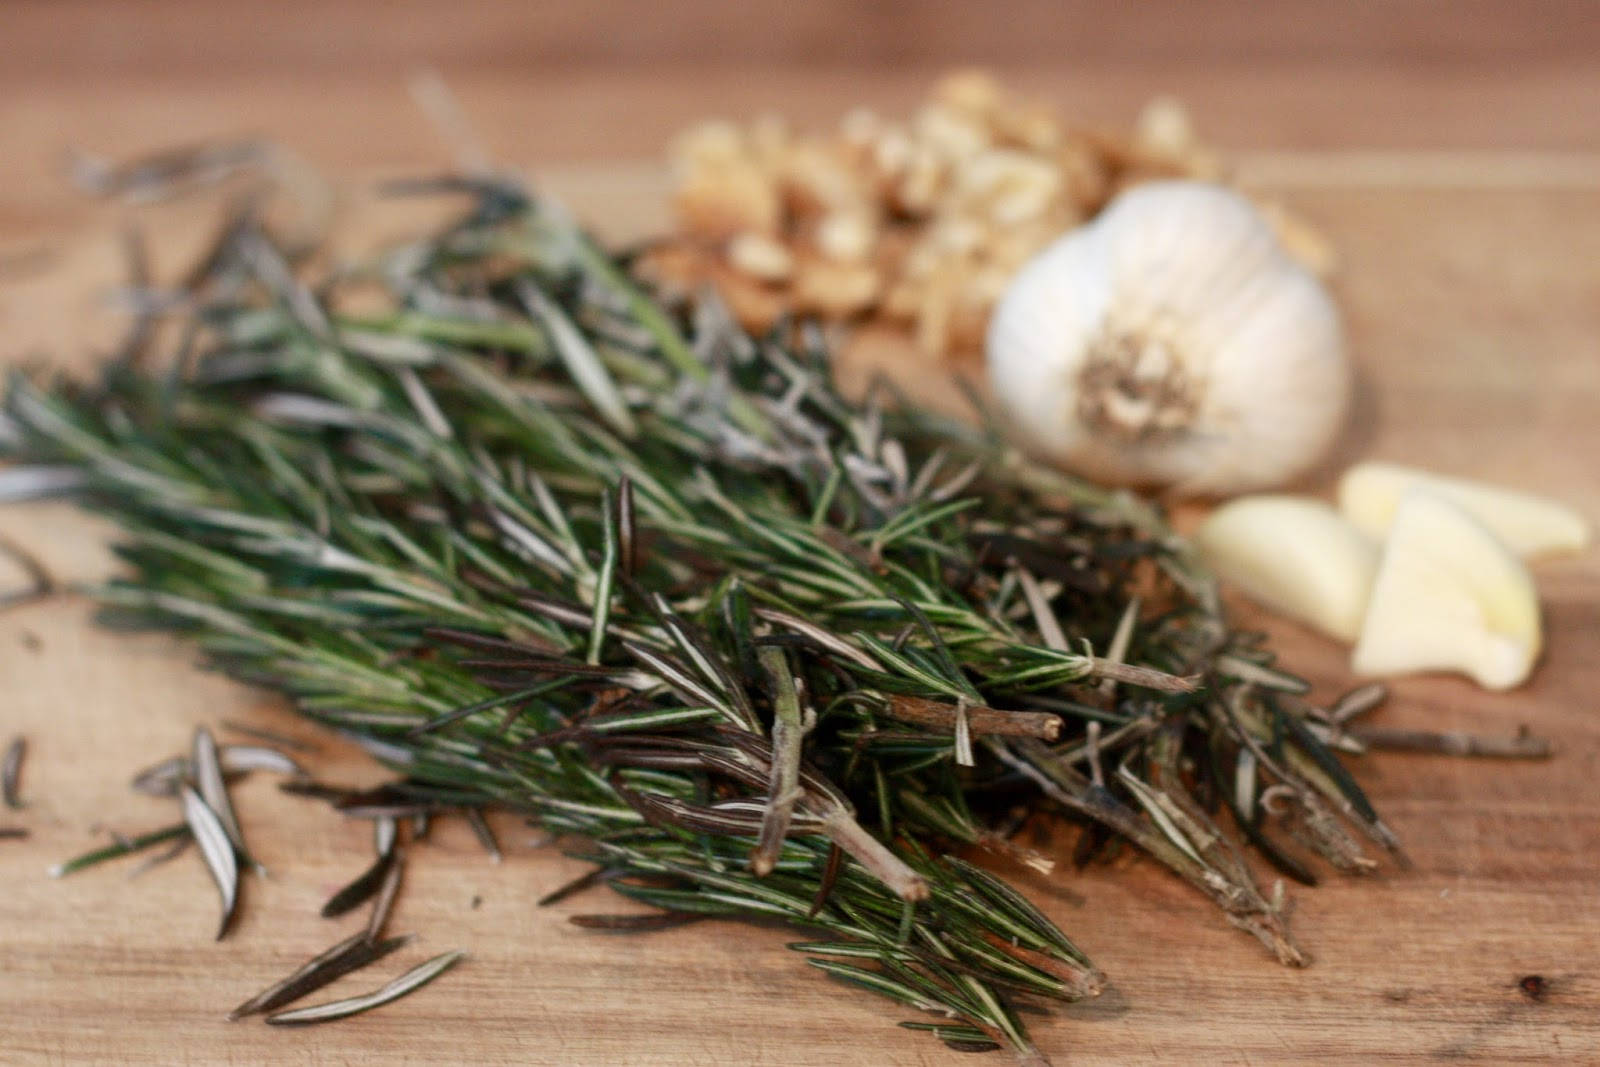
x,y
546,545
345,636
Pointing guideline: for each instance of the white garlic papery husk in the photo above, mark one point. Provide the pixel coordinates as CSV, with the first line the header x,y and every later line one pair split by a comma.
x,y
1172,343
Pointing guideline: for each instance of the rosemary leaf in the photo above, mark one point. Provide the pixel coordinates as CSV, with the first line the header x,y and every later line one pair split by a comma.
x,y
121,847
407,983
218,850
351,954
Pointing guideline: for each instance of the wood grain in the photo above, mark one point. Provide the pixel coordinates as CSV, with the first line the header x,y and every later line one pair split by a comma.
x,y
91,37
1474,314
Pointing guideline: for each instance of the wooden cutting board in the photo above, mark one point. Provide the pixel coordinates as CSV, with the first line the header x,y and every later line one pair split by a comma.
x,y
1472,290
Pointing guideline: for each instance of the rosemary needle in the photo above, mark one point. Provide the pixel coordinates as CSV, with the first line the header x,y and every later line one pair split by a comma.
x,y
370,881
407,983
216,848
121,847
11,772
349,955
205,763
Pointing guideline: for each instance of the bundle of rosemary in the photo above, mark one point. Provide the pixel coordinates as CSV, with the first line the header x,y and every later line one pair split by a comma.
x,y
544,544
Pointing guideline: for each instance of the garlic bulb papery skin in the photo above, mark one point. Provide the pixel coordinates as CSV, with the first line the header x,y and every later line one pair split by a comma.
x,y
1172,343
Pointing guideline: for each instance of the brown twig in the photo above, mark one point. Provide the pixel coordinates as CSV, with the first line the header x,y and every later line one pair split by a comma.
x,y
982,721
1453,743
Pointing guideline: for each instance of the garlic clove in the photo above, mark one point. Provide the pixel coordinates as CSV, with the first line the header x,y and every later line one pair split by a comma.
x,y
1529,525
1295,555
1449,597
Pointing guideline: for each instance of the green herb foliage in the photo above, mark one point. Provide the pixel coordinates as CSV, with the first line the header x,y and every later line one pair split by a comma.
x,y
544,543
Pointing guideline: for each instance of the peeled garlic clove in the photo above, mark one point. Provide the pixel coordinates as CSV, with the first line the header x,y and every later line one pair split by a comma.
x,y
1449,597
1295,555
1529,525
1172,342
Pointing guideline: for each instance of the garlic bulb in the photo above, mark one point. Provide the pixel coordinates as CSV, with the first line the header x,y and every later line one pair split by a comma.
x,y
1172,343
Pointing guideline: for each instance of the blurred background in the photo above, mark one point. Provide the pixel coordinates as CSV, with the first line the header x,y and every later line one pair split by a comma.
x,y
1500,92
1302,98
611,78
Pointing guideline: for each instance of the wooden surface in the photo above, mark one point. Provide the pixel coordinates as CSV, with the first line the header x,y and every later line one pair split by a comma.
x,y
1472,289
91,38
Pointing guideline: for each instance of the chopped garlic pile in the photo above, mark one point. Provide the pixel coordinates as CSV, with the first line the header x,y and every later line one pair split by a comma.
x,y
920,223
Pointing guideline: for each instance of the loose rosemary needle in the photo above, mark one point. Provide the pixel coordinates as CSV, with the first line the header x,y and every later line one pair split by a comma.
x,y
121,847
404,985
11,773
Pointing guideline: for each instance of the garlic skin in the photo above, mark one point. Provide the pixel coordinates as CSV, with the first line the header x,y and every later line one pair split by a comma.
x,y
1531,526
1172,343
1449,597
1294,555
